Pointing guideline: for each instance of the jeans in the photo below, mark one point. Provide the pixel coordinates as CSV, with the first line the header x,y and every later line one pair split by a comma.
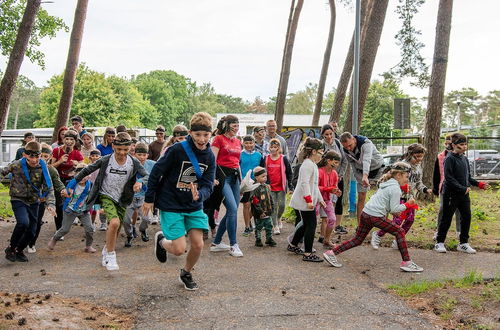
x,y
137,203
26,223
231,192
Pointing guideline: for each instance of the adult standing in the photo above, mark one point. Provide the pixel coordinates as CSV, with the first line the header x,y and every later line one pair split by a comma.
x,y
331,143
77,123
106,147
227,150
156,147
271,133
366,164
261,145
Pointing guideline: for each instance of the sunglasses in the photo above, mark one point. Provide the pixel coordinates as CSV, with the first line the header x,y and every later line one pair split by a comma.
x,y
32,154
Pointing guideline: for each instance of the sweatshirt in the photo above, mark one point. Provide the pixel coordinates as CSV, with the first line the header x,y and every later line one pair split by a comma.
x,y
262,202
170,178
365,157
457,176
327,182
385,200
307,187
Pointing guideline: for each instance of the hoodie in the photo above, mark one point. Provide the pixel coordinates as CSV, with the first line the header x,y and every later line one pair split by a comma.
x,y
385,200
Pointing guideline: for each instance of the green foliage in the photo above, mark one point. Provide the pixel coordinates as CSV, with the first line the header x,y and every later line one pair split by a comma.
x,y
11,13
470,279
5,206
24,104
414,288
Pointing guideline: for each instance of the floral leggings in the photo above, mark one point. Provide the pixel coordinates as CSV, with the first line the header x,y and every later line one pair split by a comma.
x,y
327,212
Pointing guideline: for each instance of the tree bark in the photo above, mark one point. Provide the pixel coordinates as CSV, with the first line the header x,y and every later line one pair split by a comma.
x,y
71,66
436,88
368,53
285,69
16,59
326,64
345,77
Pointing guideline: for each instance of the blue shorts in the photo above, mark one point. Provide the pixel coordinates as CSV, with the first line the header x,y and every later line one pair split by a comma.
x,y
175,225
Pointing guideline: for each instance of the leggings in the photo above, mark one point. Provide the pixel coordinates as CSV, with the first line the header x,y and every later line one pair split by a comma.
x,y
366,223
305,229
328,213
339,206
403,223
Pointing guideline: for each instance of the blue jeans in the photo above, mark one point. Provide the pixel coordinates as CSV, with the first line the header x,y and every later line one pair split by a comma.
x,y
26,224
231,193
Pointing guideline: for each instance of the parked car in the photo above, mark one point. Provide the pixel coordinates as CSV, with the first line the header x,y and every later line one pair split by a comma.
x,y
484,162
390,159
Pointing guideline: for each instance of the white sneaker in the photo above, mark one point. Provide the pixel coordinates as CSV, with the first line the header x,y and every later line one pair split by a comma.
x,y
111,263
103,227
410,266
375,242
235,251
219,247
154,220
104,254
394,245
31,249
276,230
75,222
465,247
439,247
331,258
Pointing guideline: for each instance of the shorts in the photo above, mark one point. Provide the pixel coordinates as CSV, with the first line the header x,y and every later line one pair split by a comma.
x,y
175,225
374,176
111,208
246,197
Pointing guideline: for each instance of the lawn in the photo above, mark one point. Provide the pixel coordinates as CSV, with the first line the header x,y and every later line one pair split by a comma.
x,y
5,208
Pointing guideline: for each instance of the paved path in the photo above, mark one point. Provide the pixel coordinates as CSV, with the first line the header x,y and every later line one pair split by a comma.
x,y
267,288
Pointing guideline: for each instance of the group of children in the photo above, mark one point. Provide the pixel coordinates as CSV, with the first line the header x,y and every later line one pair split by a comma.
x,y
188,177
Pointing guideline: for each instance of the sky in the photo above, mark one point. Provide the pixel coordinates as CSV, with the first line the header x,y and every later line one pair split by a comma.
x,y
237,45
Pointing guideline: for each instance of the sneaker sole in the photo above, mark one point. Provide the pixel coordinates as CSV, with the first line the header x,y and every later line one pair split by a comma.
x,y
409,270
112,268
185,287
327,259
160,258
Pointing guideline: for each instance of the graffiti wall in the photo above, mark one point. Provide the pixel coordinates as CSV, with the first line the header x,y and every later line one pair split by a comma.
x,y
295,135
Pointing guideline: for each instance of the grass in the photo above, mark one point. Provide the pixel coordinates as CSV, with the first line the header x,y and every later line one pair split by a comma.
x,y
5,207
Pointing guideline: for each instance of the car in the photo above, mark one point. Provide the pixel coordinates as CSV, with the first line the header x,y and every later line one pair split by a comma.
x,y
390,159
484,162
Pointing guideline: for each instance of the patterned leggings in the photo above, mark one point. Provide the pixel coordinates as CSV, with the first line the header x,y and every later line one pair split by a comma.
x,y
328,213
403,223
366,223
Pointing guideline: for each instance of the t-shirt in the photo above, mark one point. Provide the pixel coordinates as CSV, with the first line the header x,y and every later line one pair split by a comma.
x,y
74,198
249,161
155,149
229,151
105,150
65,169
274,173
116,177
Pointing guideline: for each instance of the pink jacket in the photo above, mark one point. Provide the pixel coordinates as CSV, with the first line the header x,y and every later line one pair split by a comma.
x,y
327,182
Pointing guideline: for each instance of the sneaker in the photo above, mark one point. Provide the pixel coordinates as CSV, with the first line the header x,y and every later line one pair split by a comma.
x,y
321,239
246,232
10,254
258,242
294,249
75,222
375,242
144,236
187,279
219,247
270,242
111,263
128,242
311,258
31,249
160,252
62,238
394,245
154,220
465,247
331,258
341,230
235,251
104,254
103,227
21,257
276,231
439,247
51,244
90,249
410,266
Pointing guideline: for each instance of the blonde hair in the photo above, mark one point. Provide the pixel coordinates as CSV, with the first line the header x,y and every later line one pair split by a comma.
x,y
105,136
177,129
201,118
396,168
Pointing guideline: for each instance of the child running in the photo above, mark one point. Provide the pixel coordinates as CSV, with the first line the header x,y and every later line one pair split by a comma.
x,y
456,188
113,189
30,182
75,206
385,200
262,208
327,183
178,184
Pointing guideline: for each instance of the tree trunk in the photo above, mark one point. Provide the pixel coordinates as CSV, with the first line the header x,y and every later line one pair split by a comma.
x,y
436,89
16,59
340,92
71,66
288,27
368,53
285,69
326,64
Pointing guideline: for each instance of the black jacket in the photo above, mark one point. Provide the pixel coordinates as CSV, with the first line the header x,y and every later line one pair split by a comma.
x,y
457,176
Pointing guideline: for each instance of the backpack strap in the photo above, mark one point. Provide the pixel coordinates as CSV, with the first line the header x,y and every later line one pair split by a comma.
x,y
192,158
45,173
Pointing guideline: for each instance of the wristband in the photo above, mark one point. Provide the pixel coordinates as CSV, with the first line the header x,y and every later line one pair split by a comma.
x,y
308,199
481,185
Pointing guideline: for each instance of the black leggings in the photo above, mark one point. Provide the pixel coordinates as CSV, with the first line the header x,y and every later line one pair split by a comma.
x,y
451,203
339,207
305,229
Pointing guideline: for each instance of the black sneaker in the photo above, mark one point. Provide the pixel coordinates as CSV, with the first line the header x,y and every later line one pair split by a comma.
x,y
128,243
160,252
270,242
10,254
21,257
134,232
187,279
258,242
321,239
340,230
144,236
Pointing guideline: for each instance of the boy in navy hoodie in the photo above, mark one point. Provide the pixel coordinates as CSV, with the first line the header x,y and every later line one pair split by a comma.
x,y
178,185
